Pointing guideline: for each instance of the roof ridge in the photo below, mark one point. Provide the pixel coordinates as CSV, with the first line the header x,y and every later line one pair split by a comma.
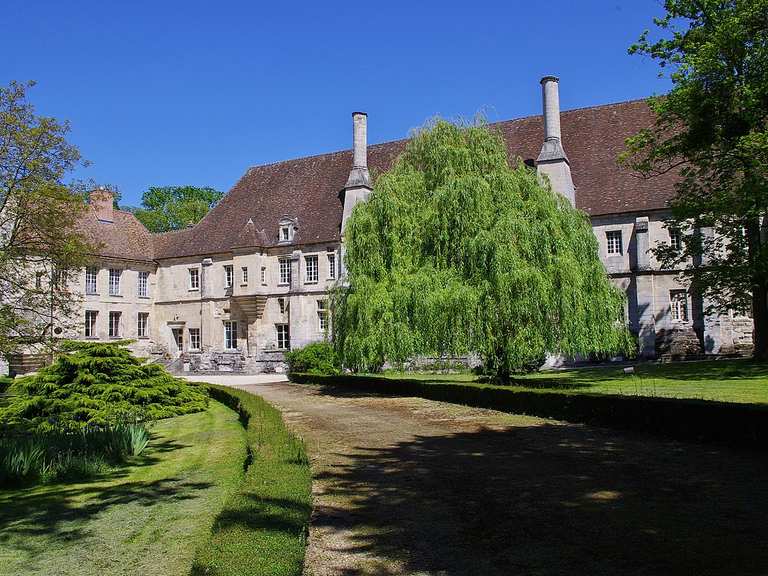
x,y
398,140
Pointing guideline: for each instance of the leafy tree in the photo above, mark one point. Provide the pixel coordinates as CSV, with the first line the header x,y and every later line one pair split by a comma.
x,y
40,244
712,127
174,207
455,251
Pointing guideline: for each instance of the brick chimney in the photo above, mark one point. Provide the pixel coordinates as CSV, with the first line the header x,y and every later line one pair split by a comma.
x,y
102,201
552,163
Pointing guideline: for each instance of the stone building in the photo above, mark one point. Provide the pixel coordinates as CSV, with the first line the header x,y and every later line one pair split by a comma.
x,y
251,279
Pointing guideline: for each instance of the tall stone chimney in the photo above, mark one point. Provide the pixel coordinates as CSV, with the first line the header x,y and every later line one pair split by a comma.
x,y
358,185
102,201
552,162
358,176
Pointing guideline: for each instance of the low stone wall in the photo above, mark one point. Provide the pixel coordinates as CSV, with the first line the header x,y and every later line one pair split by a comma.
x,y
229,361
214,361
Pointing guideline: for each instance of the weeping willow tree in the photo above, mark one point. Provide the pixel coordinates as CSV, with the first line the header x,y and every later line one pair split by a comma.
x,y
456,251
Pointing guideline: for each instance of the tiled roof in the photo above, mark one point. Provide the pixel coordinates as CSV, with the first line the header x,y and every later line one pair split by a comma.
x,y
310,189
126,237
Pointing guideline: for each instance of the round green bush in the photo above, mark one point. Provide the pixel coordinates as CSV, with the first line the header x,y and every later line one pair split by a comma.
x,y
315,358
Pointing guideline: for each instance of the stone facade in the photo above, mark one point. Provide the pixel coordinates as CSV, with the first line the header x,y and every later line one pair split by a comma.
x,y
250,281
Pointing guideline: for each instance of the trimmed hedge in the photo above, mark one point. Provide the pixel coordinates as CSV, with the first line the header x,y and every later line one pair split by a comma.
x,y
262,528
684,419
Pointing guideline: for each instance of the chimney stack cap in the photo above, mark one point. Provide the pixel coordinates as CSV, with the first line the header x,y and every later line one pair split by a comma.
x,y
359,113
102,200
549,79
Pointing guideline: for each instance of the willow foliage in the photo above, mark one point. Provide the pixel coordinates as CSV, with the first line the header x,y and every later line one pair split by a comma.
x,y
456,251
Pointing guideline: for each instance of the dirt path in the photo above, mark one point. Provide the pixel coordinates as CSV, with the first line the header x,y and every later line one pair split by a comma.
x,y
410,486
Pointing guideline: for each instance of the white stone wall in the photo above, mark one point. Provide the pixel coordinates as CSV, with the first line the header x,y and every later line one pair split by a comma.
x,y
648,287
173,305
127,302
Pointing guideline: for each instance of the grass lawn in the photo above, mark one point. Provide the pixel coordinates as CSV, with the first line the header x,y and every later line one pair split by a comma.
x,y
262,528
147,518
725,380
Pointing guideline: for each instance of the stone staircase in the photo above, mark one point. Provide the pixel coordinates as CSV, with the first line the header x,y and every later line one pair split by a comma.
x,y
19,364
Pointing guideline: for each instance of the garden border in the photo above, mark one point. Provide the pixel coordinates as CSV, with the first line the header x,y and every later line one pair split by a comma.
x,y
263,526
683,419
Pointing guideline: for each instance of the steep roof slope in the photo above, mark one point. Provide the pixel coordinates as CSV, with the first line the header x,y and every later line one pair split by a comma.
x,y
126,237
310,189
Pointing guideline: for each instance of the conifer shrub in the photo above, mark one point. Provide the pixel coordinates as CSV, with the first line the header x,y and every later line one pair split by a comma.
x,y
315,358
97,385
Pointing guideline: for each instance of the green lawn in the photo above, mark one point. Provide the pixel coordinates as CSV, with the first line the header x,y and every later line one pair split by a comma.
x,y
262,529
147,518
725,380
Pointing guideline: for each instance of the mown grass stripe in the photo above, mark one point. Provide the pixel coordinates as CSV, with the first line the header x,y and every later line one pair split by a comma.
x,y
263,526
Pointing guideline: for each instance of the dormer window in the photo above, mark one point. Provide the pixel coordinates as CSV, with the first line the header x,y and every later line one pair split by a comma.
x,y
286,229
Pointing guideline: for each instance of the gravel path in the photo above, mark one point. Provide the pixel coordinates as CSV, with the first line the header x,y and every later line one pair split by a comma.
x,y
411,486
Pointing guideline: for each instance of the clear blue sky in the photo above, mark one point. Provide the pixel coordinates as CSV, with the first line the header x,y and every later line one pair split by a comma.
x,y
165,93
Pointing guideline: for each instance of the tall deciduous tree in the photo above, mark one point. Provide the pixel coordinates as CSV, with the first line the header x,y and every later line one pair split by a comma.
x,y
713,128
455,251
174,207
39,240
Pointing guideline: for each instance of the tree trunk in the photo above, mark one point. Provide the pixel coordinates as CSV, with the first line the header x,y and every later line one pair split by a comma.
x,y
755,233
760,320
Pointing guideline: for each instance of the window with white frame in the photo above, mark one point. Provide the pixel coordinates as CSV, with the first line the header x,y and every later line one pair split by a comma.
x,y
114,281
676,239
310,266
244,274
194,338
91,274
285,270
230,335
114,324
678,303
613,238
142,325
285,233
282,305
90,323
322,315
229,276
283,336
331,266
194,279
142,288
264,275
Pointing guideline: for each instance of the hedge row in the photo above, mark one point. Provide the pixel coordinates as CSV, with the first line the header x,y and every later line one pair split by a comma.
x,y
262,528
684,419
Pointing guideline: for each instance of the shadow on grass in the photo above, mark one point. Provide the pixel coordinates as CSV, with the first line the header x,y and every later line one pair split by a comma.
x,y
60,510
262,513
551,499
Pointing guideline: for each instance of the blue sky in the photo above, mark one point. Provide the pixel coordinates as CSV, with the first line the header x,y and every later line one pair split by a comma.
x,y
164,93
